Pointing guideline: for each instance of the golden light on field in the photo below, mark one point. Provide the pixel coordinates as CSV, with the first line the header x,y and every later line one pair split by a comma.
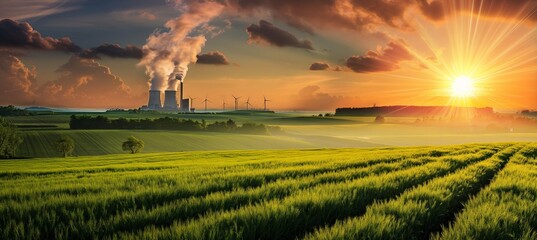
x,y
462,87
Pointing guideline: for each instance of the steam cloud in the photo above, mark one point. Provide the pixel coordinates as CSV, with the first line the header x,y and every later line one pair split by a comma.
x,y
168,54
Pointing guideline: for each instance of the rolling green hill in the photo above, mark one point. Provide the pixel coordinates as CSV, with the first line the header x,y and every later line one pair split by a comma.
x,y
301,130
40,143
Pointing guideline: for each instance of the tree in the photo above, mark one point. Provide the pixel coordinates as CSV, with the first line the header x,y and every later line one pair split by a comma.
x,y
65,146
133,144
231,124
379,119
9,139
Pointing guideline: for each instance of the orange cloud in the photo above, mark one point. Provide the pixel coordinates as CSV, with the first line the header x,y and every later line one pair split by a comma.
x,y
310,98
384,59
16,80
85,83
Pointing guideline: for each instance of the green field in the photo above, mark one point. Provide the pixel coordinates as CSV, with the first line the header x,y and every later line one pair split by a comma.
x,y
40,143
473,191
300,131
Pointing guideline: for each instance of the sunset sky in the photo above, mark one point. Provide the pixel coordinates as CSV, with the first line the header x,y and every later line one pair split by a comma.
x,y
300,54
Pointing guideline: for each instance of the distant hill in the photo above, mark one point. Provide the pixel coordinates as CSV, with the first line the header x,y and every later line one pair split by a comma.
x,y
529,113
38,109
414,111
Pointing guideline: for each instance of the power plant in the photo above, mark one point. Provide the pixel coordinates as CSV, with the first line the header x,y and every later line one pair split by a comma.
x,y
171,102
184,105
170,97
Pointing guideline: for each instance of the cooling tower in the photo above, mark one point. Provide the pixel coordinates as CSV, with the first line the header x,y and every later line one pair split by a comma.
x,y
185,105
170,100
154,100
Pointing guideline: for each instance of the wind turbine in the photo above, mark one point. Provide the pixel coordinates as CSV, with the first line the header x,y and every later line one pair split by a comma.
x,y
265,100
205,101
223,105
248,104
236,102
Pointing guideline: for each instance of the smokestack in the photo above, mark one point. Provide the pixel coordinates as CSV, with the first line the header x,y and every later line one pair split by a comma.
x,y
154,100
181,89
170,100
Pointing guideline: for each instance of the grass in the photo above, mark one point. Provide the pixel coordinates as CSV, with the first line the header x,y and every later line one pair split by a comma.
x,y
420,211
506,208
415,192
301,131
40,143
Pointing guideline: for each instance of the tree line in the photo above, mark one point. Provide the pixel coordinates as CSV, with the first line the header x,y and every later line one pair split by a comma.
x,y
11,110
166,123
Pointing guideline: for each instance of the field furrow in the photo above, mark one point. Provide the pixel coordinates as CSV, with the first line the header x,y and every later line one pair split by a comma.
x,y
97,205
262,194
506,209
422,210
213,179
291,217
220,201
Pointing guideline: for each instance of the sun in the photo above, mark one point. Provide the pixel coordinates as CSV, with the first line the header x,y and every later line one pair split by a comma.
x,y
462,87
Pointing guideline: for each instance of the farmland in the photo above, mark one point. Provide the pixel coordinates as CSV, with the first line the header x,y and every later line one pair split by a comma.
x,y
300,130
445,192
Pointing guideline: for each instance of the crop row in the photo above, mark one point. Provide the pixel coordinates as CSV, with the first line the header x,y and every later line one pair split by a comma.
x,y
420,211
506,209
54,166
219,179
220,201
307,209
115,195
193,182
56,212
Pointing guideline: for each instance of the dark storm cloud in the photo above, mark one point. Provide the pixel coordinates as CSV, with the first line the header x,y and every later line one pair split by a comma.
x,y
15,34
434,10
22,36
214,58
387,12
311,15
515,9
386,59
113,50
319,66
266,33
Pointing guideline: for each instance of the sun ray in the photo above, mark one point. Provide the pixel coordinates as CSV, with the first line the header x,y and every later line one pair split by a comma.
x,y
475,53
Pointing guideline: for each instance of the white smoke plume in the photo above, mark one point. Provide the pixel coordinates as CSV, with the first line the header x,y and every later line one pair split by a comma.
x,y
164,50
